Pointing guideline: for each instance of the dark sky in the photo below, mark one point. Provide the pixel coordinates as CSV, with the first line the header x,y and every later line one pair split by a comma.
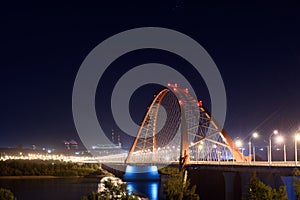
x,y
255,46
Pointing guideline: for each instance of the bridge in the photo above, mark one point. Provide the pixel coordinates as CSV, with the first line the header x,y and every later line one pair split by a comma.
x,y
177,129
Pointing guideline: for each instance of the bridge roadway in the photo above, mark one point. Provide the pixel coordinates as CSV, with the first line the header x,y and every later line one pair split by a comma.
x,y
250,164
226,163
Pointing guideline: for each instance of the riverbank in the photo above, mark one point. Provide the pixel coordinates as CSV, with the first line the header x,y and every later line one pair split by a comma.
x,y
40,168
39,177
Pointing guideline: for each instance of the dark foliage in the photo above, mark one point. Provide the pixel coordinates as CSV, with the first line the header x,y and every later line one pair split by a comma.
x,y
45,168
6,194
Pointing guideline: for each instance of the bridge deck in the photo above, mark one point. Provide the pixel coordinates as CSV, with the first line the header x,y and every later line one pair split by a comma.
x,y
225,163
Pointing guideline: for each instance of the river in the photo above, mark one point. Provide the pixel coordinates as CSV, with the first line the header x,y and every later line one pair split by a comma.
x,y
69,188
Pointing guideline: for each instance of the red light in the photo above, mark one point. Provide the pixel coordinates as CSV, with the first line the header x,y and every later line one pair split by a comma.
x,y
175,84
200,103
169,84
180,102
175,89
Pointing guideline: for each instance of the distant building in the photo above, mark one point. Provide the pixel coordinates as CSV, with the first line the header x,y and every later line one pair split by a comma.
x,y
107,149
70,144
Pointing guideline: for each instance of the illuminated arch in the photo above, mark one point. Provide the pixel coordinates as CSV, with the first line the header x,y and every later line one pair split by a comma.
x,y
199,136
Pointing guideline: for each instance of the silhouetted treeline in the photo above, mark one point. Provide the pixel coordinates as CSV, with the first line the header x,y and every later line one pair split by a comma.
x,y
6,194
45,168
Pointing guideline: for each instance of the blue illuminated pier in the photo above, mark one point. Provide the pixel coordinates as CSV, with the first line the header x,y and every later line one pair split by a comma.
x,y
136,173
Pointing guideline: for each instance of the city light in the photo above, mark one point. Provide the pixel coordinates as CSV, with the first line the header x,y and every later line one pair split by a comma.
x,y
63,158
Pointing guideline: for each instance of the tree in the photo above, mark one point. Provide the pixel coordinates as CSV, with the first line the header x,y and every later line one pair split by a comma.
x,y
6,194
296,183
281,194
257,190
176,189
111,191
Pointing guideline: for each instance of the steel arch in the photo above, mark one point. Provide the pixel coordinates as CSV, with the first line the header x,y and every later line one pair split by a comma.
x,y
199,138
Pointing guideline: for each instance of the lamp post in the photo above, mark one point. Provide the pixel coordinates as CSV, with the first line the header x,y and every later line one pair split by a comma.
x,y
280,139
253,153
297,137
254,135
199,148
275,132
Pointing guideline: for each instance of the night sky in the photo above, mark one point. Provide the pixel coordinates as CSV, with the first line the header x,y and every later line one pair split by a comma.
x,y
255,46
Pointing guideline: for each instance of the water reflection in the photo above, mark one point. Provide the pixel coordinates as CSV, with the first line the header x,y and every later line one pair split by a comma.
x,y
145,189
49,189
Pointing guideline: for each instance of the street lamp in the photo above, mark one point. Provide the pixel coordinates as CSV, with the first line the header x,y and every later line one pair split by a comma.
x,y
239,144
297,137
280,139
254,135
275,132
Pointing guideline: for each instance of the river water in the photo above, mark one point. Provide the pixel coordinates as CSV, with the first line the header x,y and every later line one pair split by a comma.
x,y
70,188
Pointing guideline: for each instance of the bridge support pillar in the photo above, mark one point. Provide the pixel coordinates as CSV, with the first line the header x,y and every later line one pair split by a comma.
x,y
231,192
288,183
245,178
